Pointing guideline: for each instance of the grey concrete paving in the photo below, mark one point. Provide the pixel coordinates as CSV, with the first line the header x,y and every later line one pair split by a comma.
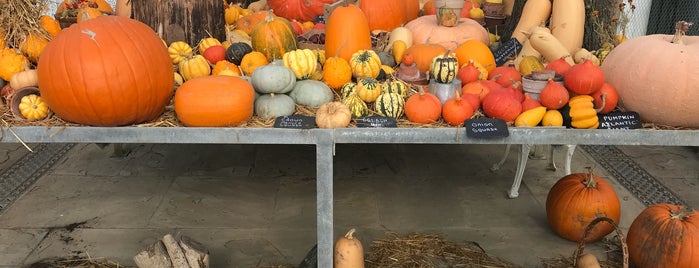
x,y
253,205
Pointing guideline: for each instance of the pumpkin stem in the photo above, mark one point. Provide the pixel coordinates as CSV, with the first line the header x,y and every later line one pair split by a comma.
x,y
421,90
681,27
457,95
270,15
590,181
349,234
604,102
681,214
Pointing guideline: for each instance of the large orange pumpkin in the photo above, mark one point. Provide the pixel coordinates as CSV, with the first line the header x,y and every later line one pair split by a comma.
x,y
383,14
273,37
347,30
300,10
664,235
111,80
214,101
477,51
425,28
576,200
661,86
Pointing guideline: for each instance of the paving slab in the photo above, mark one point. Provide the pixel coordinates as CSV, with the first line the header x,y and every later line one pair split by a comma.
x,y
255,204
17,244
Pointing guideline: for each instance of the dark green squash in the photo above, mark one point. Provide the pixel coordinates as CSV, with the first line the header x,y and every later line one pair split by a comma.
x,y
236,51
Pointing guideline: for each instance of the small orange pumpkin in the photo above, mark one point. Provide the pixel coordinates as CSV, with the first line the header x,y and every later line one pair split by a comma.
x,y
251,61
477,51
423,107
225,65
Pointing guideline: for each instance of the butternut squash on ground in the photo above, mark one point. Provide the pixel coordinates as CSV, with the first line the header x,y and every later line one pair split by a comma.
x,y
349,252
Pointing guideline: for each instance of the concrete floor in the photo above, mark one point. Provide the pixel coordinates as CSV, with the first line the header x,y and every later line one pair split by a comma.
x,y
254,205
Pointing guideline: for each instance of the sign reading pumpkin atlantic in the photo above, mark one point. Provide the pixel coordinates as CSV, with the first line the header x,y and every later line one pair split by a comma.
x,y
106,71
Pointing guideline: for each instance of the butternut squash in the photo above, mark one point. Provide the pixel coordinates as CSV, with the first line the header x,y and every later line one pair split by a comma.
x,y
583,54
534,13
568,23
543,41
509,6
348,252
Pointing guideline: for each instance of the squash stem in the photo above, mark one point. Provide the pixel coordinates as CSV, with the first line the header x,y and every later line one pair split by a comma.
x,y
590,181
681,214
604,102
681,27
350,233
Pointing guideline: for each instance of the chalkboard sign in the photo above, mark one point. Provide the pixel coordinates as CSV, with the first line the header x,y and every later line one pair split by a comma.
x,y
485,128
620,120
295,121
376,121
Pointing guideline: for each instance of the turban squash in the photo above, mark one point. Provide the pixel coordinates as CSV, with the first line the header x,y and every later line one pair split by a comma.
x,y
121,75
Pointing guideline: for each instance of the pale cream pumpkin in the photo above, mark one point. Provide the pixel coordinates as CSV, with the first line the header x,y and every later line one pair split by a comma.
x,y
426,30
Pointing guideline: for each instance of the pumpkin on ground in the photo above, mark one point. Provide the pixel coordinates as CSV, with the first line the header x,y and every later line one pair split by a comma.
x,y
645,83
426,30
664,235
273,37
214,101
110,81
576,200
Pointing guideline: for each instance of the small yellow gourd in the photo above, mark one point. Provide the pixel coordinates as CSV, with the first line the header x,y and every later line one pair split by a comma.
x,y
398,49
179,50
582,112
530,64
33,107
303,62
348,252
531,117
552,118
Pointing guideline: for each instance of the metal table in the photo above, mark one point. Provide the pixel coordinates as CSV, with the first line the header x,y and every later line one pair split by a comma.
x,y
325,140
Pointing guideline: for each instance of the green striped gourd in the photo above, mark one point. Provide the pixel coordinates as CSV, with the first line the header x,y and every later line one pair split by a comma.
x,y
347,89
368,89
395,86
356,105
444,68
390,105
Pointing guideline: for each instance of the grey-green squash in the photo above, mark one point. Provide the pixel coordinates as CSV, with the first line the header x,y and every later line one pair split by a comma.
x,y
356,105
274,105
311,93
273,78
390,105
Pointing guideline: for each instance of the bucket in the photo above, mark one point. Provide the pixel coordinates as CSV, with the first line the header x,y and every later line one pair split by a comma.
x,y
448,11
443,91
533,83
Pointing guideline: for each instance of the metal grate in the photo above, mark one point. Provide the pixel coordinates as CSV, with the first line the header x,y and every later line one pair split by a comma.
x,y
26,171
632,176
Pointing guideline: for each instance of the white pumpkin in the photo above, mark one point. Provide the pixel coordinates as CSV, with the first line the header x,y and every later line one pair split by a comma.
x,y
273,78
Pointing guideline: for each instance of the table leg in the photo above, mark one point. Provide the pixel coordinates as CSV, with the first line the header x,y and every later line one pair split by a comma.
x,y
521,165
324,200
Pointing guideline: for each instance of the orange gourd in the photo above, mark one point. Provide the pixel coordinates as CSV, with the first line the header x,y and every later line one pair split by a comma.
x,y
346,32
214,101
423,107
657,84
477,51
576,200
456,111
247,23
664,235
50,25
336,72
80,85
33,45
301,10
423,53
584,78
273,37
554,96
425,28
383,14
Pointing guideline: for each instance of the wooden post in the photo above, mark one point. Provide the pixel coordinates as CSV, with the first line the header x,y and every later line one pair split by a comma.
x,y
182,20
